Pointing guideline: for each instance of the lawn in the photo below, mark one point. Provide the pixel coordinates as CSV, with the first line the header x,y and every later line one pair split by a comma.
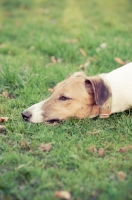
x,y
41,42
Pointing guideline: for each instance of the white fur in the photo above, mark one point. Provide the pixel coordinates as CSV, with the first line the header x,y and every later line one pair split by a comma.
x,y
36,111
120,81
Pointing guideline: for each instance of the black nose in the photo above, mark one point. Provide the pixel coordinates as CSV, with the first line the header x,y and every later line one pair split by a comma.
x,y
26,115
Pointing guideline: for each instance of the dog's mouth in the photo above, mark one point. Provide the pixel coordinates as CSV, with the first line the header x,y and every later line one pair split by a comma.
x,y
53,121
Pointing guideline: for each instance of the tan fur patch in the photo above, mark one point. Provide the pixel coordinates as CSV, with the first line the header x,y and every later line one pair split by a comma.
x,y
79,104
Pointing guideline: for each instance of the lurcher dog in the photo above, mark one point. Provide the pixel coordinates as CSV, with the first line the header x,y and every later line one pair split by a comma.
x,y
82,96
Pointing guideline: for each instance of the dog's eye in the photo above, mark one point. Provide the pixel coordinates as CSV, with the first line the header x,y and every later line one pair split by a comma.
x,y
63,98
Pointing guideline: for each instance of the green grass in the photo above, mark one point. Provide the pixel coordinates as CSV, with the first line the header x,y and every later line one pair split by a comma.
x,y
31,31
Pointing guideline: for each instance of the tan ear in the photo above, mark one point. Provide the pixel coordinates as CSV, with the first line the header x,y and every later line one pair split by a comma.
x,y
77,74
99,88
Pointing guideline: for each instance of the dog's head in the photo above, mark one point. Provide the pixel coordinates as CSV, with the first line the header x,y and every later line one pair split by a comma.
x,y
77,96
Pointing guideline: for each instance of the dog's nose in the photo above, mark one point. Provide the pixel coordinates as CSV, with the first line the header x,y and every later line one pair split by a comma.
x,y
26,115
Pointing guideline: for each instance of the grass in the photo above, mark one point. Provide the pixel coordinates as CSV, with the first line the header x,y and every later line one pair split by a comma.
x,y
30,33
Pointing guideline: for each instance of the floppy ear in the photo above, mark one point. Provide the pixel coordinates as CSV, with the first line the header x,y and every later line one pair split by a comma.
x,y
95,85
77,74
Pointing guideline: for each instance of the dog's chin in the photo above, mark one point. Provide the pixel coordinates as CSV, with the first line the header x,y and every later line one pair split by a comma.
x,y
53,121
48,122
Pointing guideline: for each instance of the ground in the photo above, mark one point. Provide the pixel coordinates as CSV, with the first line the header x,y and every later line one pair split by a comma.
x,y
41,42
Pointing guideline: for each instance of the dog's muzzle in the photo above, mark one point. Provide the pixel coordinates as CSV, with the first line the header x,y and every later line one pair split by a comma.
x,y
27,116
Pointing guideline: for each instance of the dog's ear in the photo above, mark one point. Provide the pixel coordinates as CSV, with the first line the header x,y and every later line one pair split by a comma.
x,y
77,74
96,86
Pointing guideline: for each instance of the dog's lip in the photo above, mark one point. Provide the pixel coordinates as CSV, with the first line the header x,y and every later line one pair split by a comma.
x,y
53,121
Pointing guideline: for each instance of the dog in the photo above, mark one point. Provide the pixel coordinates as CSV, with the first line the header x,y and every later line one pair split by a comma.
x,y
82,96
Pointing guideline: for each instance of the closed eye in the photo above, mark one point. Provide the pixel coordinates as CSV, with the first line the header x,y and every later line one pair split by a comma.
x,y
63,98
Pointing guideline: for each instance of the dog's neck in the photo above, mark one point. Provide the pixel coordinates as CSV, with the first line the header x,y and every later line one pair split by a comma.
x,y
105,109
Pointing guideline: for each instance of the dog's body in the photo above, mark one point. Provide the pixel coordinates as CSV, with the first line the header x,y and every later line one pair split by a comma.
x,y
81,96
120,81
